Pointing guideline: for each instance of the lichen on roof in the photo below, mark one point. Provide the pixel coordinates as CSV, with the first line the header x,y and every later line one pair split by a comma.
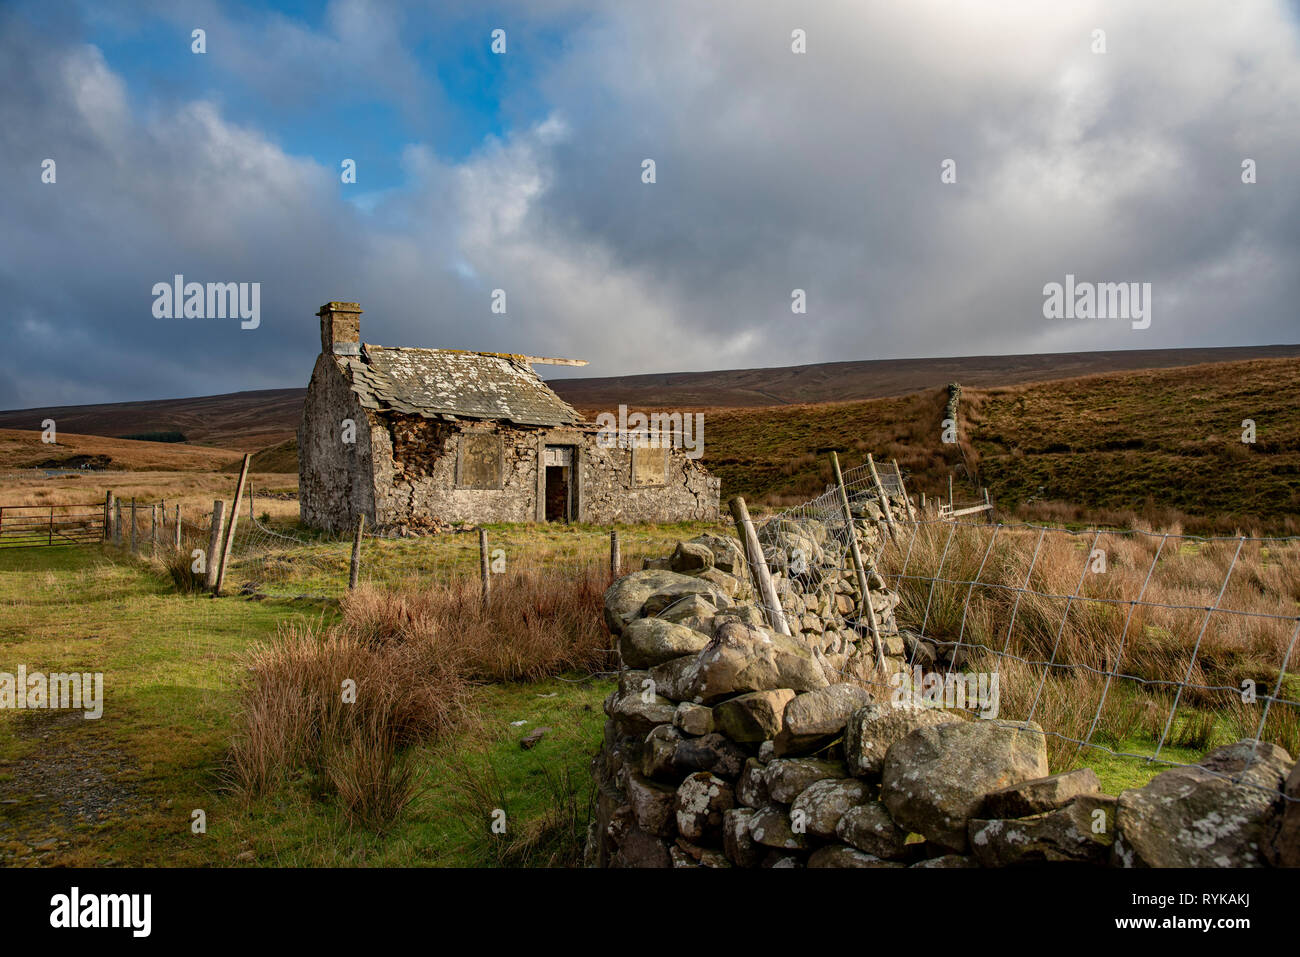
x,y
452,382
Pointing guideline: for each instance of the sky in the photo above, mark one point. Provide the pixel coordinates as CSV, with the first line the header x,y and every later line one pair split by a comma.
x,y
920,170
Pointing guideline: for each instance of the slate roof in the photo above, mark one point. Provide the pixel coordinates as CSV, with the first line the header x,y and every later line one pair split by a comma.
x,y
449,383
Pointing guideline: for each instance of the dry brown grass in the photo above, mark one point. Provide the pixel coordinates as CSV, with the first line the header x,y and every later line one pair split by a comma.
x,y
414,657
1151,645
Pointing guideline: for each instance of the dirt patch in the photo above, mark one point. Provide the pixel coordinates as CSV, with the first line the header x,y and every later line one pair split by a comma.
x,y
68,782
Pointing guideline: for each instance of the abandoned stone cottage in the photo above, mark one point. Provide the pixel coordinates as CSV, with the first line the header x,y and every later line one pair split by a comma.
x,y
420,437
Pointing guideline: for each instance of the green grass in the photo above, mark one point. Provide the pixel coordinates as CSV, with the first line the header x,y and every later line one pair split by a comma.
x,y
170,665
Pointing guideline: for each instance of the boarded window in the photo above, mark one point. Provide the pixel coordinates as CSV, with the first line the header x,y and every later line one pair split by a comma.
x,y
478,463
649,465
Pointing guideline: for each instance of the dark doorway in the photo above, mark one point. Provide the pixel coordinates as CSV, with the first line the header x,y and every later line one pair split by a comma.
x,y
558,462
557,493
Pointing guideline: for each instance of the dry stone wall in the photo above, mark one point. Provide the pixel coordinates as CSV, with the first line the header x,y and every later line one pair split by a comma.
x,y
729,745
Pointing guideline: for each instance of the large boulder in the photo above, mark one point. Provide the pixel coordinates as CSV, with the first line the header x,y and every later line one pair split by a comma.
x,y
647,642
625,597
819,716
1198,817
752,717
1082,831
870,731
819,807
741,659
936,778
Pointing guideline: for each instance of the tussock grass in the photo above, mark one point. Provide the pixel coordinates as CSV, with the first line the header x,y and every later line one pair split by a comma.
x,y
1061,658
413,658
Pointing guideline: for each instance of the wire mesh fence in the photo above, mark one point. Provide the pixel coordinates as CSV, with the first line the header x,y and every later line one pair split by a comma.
x,y
1122,644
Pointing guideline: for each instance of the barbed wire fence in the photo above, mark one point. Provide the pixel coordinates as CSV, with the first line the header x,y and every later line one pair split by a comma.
x,y
1145,646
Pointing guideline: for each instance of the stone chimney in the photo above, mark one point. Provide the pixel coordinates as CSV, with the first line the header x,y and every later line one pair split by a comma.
x,y
340,328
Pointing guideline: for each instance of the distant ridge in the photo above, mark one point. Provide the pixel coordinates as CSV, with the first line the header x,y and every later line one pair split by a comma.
x,y
248,421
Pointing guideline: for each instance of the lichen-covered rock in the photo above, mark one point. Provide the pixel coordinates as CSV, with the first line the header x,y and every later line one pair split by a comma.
x,y
870,731
639,849
637,713
654,805
935,779
770,826
674,679
732,586
869,828
692,612
837,855
819,807
787,778
711,752
693,719
1198,817
948,861
1040,795
752,717
727,552
647,642
737,841
751,787
684,587
626,596
1283,849
659,752
1083,831
690,557
702,799
816,717
741,659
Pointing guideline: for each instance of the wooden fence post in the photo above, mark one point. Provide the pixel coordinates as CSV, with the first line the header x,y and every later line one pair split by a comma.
x,y
153,529
133,545
117,523
758,566
214,544
178,528
884,499
615,560
484,568
907,502
250,501
108,516
230,528
354,570
859,566
51,538
950,501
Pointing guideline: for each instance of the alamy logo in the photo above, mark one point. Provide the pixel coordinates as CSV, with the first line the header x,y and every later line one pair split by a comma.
x,y
965,691
1105,300
179,299
74,909
658,430
58,690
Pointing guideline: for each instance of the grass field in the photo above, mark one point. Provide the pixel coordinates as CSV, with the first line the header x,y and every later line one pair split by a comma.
x,y
121,789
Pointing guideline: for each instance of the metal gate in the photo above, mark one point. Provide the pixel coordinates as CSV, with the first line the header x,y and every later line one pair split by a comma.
x,y
32,526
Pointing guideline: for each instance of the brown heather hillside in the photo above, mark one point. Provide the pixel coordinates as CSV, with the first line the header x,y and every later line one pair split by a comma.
x,y
1167,438
25,450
